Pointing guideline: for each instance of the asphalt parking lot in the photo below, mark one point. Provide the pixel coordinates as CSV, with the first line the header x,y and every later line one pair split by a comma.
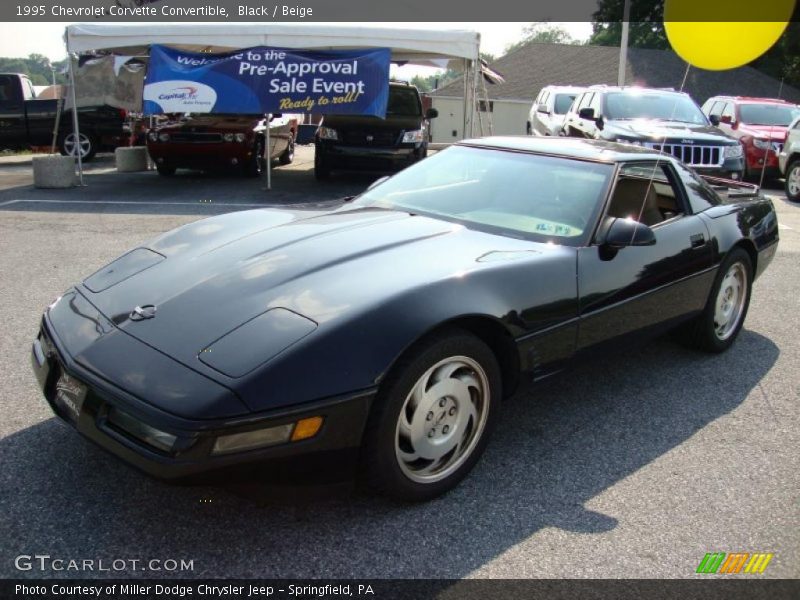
x,y
634,466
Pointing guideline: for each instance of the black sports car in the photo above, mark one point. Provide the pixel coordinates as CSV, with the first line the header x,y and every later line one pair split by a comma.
x,y
379,337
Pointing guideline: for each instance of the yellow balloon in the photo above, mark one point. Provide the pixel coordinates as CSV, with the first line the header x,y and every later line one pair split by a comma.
x,y
716,45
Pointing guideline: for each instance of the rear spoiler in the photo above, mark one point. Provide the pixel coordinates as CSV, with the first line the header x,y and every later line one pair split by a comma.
x,y
732,188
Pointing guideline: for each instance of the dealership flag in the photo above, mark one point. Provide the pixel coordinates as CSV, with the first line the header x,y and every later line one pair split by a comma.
x,y
268,80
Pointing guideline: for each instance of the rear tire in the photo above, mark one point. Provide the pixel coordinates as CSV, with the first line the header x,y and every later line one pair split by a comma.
x,y
793,180
432,417
717,327
87,145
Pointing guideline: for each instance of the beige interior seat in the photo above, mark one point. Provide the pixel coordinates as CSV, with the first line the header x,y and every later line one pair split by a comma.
x,y
632,196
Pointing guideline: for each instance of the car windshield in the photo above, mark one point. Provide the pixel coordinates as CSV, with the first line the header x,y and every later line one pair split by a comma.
x,y
768,114
529,196
648,105
403,102
562,103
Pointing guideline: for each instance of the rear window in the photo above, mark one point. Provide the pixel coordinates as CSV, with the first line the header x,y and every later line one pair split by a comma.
x,y
403,102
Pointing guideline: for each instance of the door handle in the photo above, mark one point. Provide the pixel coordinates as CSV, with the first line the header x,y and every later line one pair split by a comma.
x,y
698,240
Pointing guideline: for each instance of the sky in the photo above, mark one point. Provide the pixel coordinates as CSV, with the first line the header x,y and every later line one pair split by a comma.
x,y
22,39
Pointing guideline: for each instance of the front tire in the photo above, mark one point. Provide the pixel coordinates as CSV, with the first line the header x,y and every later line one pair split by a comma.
x,y
719,324
793,180
287,156
254,166
165,170
432,417
321,170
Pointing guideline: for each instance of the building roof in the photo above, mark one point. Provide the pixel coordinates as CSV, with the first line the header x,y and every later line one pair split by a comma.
x,y
531,67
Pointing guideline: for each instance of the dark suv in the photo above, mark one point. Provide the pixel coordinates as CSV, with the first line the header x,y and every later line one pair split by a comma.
x,y
354,142
660,119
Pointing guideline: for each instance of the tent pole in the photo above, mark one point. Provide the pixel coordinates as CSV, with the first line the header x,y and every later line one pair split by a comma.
x,y
75,129
466,101
268,150
477,73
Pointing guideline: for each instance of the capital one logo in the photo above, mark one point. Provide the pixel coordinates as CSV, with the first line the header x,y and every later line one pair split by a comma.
x,y
734,562
180,96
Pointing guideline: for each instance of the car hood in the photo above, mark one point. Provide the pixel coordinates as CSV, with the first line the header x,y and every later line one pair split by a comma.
x,y
670,130
346,122
221,123
209,277
772,132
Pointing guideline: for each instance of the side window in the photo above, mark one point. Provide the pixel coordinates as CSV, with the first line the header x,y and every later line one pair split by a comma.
x,y
595,104
644,192
585,100
728,111
27,90
716,108
6,88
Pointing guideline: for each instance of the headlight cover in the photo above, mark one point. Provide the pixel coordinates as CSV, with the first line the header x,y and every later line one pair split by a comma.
x,y
240,137
734,151
153,136
414,136
762,144
228,137
141,431
163,137
326,133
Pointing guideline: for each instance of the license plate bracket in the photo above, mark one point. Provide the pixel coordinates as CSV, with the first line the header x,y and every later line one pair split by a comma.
x,y
69,396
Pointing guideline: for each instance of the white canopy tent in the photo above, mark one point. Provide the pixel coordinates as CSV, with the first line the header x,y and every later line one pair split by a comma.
x,y
456,49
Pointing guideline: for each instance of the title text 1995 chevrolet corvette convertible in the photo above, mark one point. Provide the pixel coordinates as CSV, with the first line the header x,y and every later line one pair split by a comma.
x,y
379,337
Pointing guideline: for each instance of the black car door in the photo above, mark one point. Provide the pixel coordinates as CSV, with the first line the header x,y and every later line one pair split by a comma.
x,y
12,112
643,289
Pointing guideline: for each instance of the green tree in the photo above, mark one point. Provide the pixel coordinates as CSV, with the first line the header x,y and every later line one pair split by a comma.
x,y
542,32
37,67
646,24
782,61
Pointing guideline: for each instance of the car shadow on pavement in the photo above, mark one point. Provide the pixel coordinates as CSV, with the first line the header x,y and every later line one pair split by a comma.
x,y
557,446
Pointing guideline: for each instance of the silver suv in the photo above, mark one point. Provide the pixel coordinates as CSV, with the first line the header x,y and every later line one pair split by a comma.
x,y
789,161
546,116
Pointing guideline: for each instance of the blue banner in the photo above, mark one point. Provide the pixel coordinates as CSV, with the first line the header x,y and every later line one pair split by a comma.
x,y
268,80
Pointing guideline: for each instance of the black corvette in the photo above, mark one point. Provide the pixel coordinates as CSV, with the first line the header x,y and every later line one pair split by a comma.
x,y
378,338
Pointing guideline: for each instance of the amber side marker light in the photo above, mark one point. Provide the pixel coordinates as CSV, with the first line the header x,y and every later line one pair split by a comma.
x,y
306,428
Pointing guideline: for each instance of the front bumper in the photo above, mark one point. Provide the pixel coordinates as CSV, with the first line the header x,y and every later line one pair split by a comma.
x,y
369,158
731,168
200,156
329,456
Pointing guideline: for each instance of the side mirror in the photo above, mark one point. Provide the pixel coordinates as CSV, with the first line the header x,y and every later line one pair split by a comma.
x,y
542,108
586,113
727,119
627,232
713,119
431,113
377,182
600,122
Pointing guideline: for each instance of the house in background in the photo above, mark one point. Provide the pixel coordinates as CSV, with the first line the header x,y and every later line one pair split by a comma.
x,y
533,66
